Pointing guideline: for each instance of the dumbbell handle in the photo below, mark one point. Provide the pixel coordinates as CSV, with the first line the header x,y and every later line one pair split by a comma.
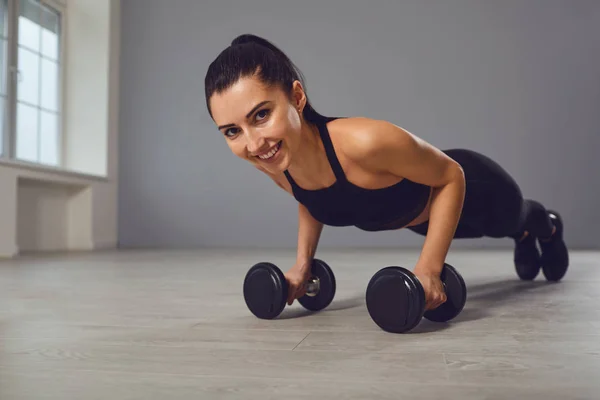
x,y
312,286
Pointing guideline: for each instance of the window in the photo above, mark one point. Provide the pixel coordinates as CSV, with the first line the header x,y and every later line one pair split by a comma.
x,y
31,95
3,75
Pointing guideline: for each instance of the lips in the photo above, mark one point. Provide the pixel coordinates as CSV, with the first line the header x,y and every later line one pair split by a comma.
x,y
269,155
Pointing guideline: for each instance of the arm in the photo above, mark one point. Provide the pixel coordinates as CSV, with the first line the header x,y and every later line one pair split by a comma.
x,y
309,230
309,233
390,149
446,206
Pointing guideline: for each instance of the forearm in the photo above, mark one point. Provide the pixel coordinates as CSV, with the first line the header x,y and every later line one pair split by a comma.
x,y
309,233
445,210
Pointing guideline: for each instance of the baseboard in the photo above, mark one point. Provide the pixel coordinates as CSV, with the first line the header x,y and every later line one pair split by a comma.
x,y
105,244
7,254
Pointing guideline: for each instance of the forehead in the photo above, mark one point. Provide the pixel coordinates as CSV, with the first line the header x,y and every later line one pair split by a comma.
x,y
235,102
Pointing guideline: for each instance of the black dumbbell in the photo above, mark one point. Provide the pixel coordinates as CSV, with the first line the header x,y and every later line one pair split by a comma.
x,y
266,290
396,299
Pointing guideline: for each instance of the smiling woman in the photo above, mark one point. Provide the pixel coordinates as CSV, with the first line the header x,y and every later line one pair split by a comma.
x,y
369,173
264,104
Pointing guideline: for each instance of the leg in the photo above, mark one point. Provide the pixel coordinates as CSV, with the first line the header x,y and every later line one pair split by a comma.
x,y
494,207
533,223
525,221
535,220
547,227
493,201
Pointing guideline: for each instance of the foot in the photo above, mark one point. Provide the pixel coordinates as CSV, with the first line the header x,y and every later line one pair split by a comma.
x,y
555,256
527,257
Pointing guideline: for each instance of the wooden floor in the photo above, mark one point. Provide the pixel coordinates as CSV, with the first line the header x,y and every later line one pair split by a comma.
x,y
173,325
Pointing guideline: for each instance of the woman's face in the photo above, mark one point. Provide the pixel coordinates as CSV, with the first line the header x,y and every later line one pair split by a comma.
x,y
261,124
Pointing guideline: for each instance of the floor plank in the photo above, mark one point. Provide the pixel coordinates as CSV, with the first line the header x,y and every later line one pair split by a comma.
x,y
52,384
173,324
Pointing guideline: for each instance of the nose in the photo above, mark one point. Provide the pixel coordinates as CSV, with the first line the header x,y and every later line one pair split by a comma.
x,y
255,143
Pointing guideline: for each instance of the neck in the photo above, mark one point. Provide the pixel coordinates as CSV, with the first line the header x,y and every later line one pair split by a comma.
x,y
309,158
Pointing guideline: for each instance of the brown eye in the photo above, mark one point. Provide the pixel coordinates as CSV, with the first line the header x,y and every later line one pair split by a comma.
x,y
229,132
262,114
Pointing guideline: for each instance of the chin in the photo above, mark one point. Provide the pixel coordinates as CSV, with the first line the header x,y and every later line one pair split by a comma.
x,y
283,165
278,166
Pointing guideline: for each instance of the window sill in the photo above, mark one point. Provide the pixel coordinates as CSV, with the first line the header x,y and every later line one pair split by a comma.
x,y
27,169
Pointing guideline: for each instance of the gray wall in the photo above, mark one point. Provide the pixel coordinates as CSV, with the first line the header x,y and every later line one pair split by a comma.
x,y
516,80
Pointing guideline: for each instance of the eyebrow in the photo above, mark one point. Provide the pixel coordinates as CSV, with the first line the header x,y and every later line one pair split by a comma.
x,y
262,103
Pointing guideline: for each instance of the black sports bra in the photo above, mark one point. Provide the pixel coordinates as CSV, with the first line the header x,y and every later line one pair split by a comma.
x,y
345,204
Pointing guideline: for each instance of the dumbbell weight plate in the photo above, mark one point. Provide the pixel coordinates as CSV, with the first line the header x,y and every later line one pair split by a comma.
x,y
395,299
327,287
456,294
265,290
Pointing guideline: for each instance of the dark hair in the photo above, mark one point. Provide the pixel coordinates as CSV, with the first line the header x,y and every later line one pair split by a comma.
x,y
249,54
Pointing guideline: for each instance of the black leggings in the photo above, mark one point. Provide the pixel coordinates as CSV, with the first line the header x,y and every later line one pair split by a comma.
x,y
494,205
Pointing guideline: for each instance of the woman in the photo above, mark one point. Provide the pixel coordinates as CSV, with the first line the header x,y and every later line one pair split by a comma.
x,y
369,173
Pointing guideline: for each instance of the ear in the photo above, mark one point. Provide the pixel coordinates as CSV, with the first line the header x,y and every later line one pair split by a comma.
x,y
298,96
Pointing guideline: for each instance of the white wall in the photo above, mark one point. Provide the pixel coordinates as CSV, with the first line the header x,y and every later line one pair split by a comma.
x,y
74,208
42,211
516,80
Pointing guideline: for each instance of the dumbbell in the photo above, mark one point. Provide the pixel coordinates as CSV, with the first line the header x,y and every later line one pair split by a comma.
x,y
266,290
396,300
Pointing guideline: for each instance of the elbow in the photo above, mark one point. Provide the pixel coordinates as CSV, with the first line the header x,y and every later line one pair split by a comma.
x,y
459,181
459,173
454,175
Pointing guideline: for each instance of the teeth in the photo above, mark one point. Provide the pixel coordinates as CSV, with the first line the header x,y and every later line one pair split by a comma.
x,y
270,154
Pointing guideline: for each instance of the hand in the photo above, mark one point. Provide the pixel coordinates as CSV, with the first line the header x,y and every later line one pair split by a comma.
x,y
435,295
297,277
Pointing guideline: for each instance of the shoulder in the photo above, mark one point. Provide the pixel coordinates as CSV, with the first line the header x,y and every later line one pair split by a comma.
x,y
383,147
372,143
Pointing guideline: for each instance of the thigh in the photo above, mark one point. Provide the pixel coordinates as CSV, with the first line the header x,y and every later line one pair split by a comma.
x,y
481,169
474,213
493,200
493,197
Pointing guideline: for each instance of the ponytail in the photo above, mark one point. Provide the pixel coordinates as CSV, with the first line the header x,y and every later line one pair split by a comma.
x,y
250,54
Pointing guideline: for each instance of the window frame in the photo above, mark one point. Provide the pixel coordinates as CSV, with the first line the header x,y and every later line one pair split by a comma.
x,y
12,80
8,82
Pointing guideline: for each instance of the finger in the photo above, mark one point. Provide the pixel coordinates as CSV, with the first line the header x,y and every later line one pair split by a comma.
x,y
291,295
290,289
429,304
432,301
301,291
441,300
436,302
